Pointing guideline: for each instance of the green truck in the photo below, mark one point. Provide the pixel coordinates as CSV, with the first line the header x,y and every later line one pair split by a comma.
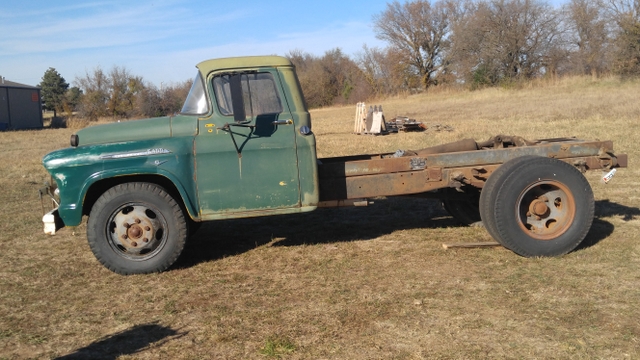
x,y
243,146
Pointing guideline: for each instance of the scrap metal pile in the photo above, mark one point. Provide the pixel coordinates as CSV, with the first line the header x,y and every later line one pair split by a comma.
x,y
404,124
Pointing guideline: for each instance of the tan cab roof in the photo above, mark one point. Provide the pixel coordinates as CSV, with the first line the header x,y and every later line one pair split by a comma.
x,y
208,66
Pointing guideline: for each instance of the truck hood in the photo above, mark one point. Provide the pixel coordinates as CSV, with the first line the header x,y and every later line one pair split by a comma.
x,y
126,131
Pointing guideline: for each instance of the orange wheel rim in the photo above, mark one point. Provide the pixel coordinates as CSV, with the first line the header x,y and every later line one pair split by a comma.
x,y
545,210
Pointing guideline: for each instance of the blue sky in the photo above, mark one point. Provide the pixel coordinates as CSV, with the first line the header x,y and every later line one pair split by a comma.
x,y
162,40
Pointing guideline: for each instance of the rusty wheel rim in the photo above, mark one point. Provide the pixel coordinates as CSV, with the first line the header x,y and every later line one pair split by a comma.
x,y
545,210
137,232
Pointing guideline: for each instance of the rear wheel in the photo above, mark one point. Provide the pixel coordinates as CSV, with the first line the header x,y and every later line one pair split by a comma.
x,y
537,206
136,228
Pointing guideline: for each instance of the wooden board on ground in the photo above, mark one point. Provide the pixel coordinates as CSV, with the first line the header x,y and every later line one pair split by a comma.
x,y
471,245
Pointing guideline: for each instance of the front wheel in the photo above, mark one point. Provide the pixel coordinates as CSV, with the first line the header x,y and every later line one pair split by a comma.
x,y
136,228
537,206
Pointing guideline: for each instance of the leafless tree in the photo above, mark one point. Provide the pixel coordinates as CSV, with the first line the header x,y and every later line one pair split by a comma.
x,y
386,71
331,79
625,14
95,86
420,32
589,36
124,87
507,39
152,101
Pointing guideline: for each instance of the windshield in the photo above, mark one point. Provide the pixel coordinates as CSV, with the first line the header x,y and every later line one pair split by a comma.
x,y
196,103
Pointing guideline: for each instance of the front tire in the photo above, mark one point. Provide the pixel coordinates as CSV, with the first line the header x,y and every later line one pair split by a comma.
x,y
537,206
136,228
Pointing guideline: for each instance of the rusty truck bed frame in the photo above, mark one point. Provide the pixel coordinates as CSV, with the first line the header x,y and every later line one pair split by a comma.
x,y
457,165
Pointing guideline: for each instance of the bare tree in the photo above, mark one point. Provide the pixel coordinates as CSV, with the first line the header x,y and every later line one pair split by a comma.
x,y
626,15
418,30
386,71
173,97
507,39
95,87
312,77
152,101
124,87
331,79
588,36
466,50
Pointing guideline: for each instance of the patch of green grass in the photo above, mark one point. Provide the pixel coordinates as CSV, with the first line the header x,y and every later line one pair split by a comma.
x,y
35,339
6,333
277,347
170,307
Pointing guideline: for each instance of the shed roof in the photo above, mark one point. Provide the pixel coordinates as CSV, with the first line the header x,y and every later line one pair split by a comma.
x,y
7,83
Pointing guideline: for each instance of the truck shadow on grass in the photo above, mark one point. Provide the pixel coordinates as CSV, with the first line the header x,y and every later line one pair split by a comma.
x,y
220,239
127,342
601,229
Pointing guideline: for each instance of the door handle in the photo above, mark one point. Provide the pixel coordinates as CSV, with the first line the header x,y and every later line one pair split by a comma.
x,y
282,122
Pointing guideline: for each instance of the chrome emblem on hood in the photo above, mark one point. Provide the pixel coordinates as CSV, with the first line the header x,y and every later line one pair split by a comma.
x,y
130,154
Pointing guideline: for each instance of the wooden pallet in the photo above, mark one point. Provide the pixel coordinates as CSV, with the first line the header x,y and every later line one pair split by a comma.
x,y
369,121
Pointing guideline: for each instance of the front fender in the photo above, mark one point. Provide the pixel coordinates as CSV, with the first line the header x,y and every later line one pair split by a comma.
x,y
83,174
71,212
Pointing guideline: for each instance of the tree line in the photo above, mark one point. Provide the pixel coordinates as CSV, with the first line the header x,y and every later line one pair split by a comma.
x,y
477,43
467,43
488,42
117,94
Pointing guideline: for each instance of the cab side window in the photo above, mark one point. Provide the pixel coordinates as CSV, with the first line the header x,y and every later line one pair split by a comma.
x,y
259,94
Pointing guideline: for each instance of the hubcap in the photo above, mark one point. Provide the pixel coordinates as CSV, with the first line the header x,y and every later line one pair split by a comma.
x,y
137,232
546,210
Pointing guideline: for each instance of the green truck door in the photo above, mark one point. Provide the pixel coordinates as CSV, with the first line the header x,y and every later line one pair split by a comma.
x,y
259,171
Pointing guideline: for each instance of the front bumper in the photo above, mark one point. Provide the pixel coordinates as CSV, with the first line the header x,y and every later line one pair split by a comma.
x,y
52,222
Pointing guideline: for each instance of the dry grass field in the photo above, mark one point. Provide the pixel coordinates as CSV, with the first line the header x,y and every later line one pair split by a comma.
x,y
352,283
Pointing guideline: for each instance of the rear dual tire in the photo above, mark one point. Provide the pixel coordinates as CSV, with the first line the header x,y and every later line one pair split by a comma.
x,y
537,206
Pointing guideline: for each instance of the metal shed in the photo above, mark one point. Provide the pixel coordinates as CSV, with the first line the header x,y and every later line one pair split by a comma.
x,y
20,106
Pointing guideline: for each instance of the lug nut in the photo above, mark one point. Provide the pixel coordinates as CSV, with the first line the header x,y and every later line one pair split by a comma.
x,y
146,228
134,244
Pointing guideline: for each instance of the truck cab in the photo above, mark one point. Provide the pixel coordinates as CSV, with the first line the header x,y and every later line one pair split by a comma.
x,y
244,131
